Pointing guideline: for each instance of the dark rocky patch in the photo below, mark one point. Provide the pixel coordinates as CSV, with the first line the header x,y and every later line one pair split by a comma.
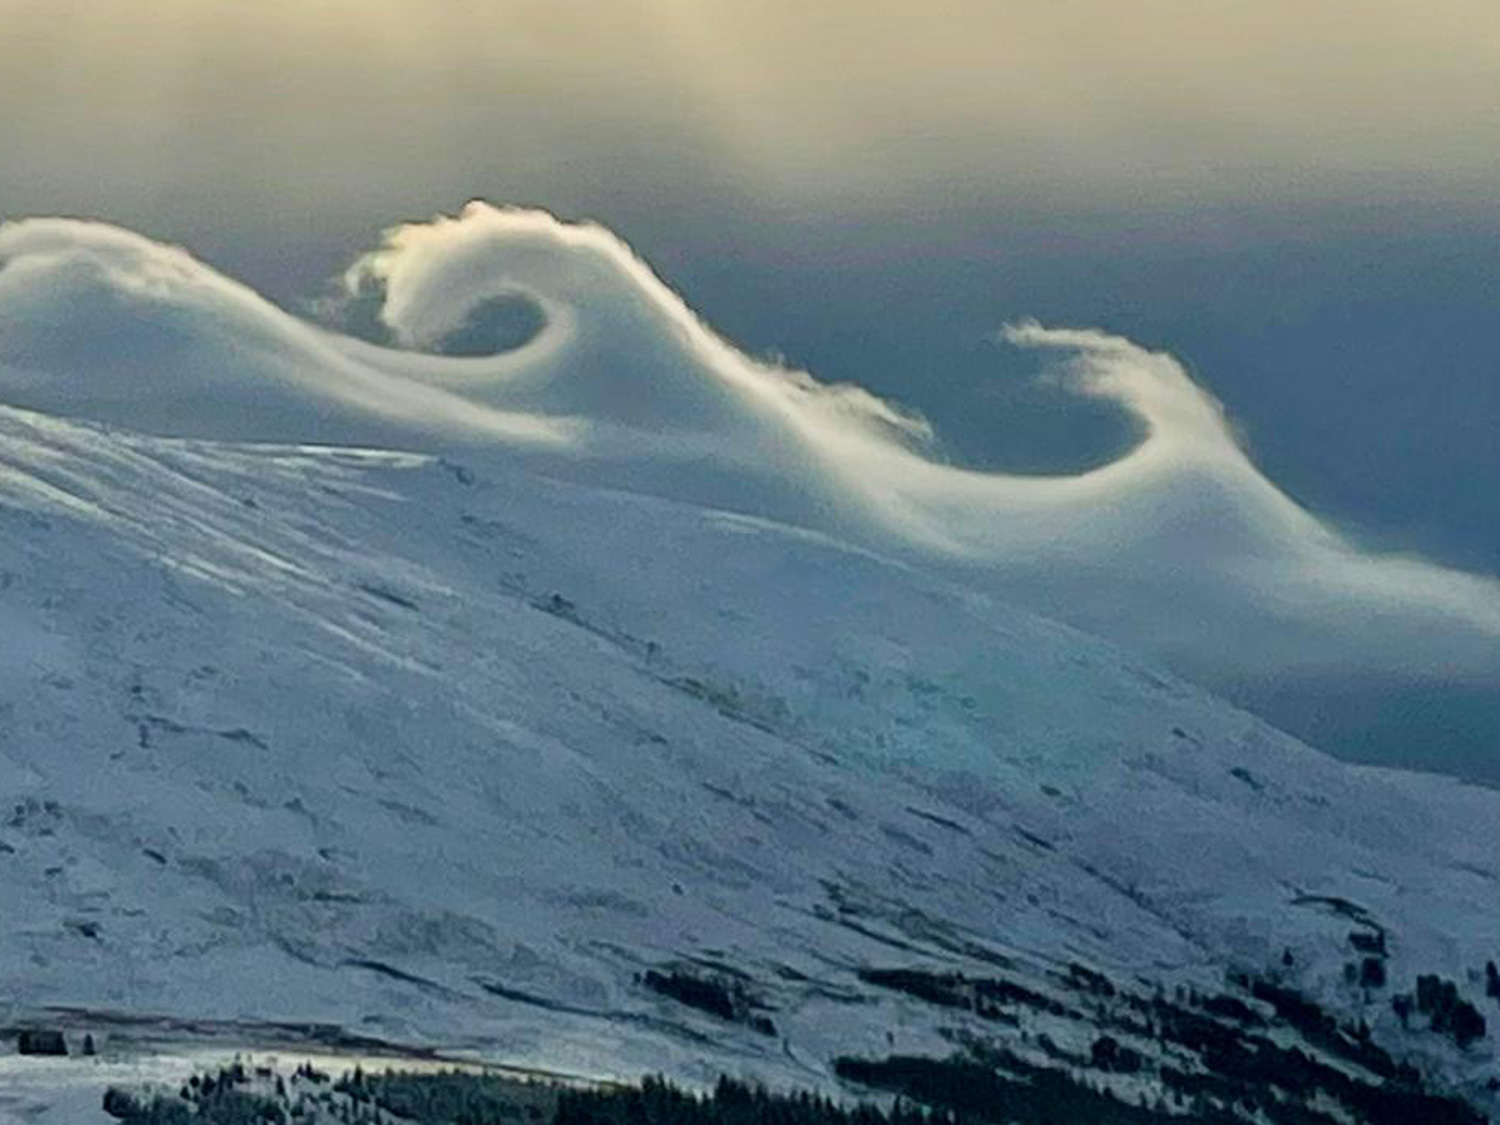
x,y
40,1041
726,997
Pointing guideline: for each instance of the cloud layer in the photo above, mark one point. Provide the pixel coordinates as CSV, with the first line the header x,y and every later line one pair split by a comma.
x,y
1181,547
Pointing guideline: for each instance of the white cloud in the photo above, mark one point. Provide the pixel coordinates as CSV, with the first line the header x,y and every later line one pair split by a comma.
x,y
1181,547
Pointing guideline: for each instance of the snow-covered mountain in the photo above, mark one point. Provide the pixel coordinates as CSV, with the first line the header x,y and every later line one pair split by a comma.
x,y
477,721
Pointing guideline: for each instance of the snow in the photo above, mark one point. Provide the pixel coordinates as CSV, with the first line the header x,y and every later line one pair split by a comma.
x,y
332,716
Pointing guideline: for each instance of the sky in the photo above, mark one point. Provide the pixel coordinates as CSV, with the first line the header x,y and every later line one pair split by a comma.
x,y
840,102
1298,201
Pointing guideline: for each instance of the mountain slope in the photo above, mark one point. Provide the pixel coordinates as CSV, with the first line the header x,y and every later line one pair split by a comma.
x,y
444,750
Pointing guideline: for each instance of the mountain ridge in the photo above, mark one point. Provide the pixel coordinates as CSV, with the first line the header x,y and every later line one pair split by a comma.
x,y
438,751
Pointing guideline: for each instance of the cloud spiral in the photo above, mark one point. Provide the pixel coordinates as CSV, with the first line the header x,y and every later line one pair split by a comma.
x,y
1181,547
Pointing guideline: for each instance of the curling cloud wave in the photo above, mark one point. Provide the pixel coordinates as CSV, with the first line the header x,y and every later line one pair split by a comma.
x,y
1180,547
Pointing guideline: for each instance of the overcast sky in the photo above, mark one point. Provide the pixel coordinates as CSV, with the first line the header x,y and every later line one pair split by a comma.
x,y
837,99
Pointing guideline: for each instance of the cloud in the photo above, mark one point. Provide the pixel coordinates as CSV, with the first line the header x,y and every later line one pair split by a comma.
x,y
101,323
1180,547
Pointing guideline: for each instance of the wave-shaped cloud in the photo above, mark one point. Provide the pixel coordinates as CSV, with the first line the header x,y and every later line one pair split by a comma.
x,y
101,323
1180,547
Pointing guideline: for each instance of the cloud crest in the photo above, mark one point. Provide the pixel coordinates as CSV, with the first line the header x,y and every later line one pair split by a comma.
x,y
1181,547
